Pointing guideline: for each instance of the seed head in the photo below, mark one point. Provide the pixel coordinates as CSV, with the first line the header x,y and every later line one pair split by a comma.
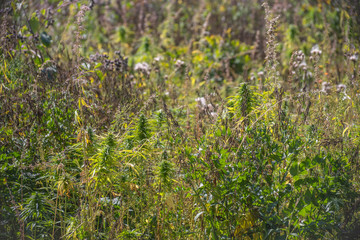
x,y
315,50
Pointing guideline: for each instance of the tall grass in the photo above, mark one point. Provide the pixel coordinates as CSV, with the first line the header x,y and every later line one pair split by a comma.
x,y
179,120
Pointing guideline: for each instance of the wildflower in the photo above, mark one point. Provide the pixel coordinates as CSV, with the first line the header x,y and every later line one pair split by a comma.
x,y
179,63
315,50
252,78
303,65
210,107
354,57
142,67
199,152
300,55
214,114
201,101
95,57
326,87
345,96
309,74
158,58
341,88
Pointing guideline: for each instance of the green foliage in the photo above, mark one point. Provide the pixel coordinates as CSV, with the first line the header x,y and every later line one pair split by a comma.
x,y
246,100
143,131
169,120
45,39
165,173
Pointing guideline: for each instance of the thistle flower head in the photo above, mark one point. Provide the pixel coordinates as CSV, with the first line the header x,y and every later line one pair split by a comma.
x,y
341,88
201,101
303,65
326,87
179,63
142,67
354,57
158,58
315,50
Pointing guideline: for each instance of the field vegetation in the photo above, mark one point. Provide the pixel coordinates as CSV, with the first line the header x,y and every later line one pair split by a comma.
x,y
179,119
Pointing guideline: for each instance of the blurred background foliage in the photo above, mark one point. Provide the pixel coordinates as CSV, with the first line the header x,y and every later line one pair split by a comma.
x,y
179,119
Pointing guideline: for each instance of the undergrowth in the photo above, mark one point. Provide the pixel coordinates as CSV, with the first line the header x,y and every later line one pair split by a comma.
x,y
179,120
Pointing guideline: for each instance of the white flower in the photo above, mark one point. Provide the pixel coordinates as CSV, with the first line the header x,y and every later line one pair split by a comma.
x,y
345,96
326,87
158,58
300,56
179,63
341,88
315,50
303,65
201,101
210,107
142,67
309,74
252,78
354,57
199,152
214,114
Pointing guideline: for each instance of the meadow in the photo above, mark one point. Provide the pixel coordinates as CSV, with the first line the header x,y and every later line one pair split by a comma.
x,y
179,119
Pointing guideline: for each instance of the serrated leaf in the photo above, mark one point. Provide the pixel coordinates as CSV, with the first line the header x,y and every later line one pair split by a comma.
x,y
45,39
294,169
308,197
34,24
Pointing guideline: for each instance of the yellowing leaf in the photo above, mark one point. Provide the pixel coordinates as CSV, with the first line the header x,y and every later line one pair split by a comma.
x,y
343,134
79,136
133,187
84,103
193,80
4,72
170,202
